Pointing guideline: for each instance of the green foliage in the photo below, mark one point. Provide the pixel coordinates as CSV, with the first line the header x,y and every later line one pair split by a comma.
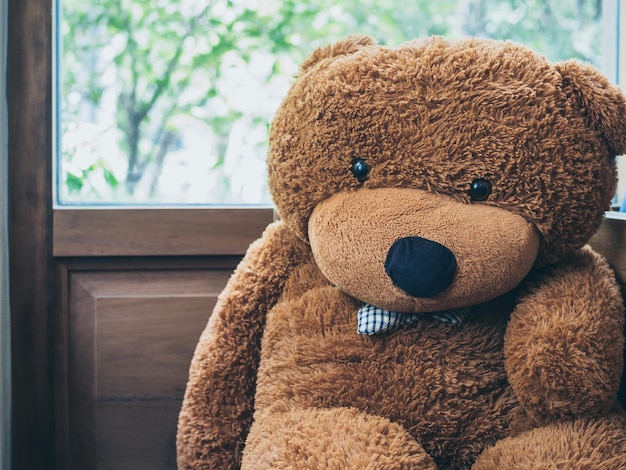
x,y
144,71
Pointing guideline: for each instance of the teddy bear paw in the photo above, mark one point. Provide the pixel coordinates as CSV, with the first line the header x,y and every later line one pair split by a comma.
x,y
583,444
339,438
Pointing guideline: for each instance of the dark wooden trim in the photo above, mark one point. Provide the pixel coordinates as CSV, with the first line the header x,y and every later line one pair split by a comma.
x,y
157,231
146,263
29,94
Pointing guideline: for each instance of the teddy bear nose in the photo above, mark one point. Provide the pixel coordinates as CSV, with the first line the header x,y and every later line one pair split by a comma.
x,y
420,267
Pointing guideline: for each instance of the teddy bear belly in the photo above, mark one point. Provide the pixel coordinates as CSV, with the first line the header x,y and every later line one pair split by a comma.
x,y
446,385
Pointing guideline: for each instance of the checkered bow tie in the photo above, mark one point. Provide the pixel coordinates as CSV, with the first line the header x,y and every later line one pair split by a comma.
x,y
374,320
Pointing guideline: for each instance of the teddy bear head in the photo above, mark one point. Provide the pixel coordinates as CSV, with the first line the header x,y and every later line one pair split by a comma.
x,y
437,174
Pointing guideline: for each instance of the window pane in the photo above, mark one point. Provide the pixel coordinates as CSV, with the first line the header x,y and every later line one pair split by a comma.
x,y
167,101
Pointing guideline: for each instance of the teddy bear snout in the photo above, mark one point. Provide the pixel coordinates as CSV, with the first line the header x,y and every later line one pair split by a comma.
x,y
420,267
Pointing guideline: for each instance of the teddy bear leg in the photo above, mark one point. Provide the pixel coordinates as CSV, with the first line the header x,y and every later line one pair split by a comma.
x,y
339,438
583,443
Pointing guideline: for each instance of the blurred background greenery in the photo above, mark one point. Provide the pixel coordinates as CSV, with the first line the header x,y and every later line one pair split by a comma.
x,y
165,101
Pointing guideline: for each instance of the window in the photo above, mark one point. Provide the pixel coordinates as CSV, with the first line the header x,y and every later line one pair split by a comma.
x,y
170,102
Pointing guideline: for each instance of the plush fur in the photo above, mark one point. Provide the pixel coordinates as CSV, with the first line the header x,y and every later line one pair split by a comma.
x,y
281,379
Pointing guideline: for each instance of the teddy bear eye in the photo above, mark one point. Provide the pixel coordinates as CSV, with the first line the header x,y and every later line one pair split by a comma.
x,y
480,189
360,169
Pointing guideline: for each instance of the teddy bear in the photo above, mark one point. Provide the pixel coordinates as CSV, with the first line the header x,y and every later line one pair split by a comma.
x,y
427,297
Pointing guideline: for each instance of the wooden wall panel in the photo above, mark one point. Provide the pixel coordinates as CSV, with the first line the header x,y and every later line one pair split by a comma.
x,y
610,241
131,338
139,435
141,345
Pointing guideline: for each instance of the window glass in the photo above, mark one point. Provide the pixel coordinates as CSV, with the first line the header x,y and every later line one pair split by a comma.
x,y
164,101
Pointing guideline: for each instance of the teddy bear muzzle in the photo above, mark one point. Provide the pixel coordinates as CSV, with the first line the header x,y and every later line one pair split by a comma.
x,y
420,267
414,251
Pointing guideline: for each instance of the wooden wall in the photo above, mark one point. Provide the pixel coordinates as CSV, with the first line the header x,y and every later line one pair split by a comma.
x,y
610,241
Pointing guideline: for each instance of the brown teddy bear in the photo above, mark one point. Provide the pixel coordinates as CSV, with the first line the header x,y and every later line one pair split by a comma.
x,y
427,299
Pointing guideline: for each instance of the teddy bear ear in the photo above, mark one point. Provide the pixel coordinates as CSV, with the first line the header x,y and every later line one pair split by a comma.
x,y
601,102
346,46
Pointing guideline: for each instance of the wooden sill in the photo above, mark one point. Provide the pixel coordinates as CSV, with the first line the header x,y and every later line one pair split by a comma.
x,y
156,231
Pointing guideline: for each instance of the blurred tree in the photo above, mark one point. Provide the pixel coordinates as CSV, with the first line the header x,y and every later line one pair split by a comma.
x,y
157,65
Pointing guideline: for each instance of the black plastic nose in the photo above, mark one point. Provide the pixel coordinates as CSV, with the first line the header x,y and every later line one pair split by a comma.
x,y
420,267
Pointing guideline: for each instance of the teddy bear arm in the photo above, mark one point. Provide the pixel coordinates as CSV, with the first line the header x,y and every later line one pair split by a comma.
x,y
563,345
219,399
